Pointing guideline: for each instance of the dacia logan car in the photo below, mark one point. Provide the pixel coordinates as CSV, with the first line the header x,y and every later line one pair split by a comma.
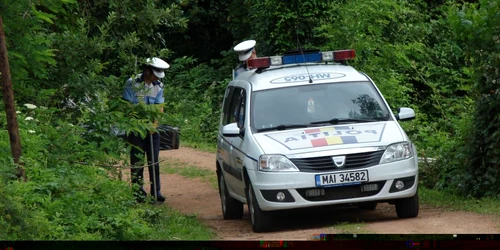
x,y
305,129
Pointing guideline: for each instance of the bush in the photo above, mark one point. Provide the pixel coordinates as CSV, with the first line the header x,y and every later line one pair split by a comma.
x,y
476,29
194,98
68,195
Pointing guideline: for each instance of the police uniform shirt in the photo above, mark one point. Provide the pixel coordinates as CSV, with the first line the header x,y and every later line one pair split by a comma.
x,y
241,68
135,91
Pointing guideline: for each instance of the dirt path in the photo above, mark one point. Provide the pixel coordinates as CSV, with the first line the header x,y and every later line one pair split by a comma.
x,y
197,197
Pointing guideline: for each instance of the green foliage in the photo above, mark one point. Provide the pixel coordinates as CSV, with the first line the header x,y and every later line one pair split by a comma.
x,y
193,99
72,58
389,39
280,26
453,202
72,192
208,30
479,33
30,46
446,172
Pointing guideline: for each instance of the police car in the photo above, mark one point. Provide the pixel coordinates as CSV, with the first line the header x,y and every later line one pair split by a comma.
x,y
304,129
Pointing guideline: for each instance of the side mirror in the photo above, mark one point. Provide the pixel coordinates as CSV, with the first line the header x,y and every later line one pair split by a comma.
x,y
231,130
405,114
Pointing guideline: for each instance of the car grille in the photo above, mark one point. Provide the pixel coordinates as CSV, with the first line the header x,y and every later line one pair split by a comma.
x,y
325,163
342,192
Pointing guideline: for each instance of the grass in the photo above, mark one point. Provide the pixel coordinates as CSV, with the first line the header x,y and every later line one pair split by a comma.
x,y
192,172
172,225
453,202
351,228
201,146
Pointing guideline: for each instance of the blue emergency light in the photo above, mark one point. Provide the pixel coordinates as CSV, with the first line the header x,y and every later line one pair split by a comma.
x,y
306,57
311,57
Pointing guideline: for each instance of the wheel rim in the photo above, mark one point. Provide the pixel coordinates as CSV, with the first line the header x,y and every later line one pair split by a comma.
x,y
223,193
250,202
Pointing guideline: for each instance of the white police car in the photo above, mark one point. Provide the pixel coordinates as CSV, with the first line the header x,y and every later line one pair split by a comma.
x,y
303,130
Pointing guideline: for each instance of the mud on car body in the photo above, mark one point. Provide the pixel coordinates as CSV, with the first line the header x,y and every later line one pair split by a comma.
x,y
305,129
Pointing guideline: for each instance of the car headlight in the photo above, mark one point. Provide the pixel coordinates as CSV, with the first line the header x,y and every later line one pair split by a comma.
x,y
396,152
273,163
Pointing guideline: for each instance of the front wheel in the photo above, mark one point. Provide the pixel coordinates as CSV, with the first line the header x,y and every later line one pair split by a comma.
x,y
231,208
408,207
261,220
175,139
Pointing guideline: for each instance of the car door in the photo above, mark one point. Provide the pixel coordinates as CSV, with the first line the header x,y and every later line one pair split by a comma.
x,y
225,143
237,153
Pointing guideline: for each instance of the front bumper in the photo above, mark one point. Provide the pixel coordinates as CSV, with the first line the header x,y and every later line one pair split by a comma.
x,y
296,184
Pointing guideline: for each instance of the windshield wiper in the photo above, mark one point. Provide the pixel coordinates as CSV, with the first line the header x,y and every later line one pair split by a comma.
x,y
343,120
283,127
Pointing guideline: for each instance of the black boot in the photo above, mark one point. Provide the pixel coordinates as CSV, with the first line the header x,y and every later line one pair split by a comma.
x,y
159,197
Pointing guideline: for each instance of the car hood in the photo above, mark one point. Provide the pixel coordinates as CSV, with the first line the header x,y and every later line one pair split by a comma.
x,y
295,141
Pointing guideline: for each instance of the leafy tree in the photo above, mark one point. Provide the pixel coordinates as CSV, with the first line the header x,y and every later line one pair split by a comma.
x,y
476,26
389,39
30,46
207,32
108,42
280,26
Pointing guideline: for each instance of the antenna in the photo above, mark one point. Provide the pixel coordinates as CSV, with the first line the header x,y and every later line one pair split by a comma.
x,y
299,47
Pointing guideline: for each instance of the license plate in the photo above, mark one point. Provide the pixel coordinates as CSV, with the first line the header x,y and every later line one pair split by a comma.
x,y
342,178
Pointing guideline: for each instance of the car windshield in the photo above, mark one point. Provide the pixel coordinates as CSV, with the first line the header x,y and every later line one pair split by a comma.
x,y
319,103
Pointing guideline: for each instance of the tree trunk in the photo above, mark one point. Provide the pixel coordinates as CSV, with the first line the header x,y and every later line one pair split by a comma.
x,y
10,108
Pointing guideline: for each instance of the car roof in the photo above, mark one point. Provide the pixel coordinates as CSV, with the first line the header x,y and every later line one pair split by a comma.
x,y
296,74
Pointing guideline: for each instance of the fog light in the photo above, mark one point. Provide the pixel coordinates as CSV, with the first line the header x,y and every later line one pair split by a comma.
x,y
280,196
400,185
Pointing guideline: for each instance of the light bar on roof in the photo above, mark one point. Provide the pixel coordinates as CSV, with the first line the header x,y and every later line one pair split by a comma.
x,y
276,60
260,62
342,55
302,58
327,56
314,57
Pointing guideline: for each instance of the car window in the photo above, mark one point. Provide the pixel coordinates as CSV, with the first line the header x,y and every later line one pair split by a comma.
x,y
240,109
309,103
227,102
234,105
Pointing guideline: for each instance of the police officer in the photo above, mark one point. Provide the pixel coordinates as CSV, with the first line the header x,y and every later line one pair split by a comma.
x,y
245,50
146,88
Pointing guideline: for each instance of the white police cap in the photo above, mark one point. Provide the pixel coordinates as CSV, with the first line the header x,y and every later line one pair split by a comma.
x,y
244,49
158,66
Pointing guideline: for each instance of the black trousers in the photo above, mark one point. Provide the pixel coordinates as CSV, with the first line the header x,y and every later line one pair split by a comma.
x,y
144,147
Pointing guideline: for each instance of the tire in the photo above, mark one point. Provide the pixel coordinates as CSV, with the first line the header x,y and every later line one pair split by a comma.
x,y
261,220
408,207
175,139
231,208
368,205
